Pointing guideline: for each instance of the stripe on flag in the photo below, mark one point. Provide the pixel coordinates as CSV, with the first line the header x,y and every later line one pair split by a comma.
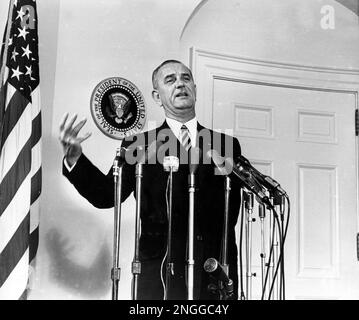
x,y
15,176
16,140
33,242
15,213
14,249
19,275
15,108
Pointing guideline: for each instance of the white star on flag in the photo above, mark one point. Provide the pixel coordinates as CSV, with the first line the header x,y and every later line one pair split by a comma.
x,y
20,14
14,54
29,72
27,52
15,3
16,73
22,32
10,42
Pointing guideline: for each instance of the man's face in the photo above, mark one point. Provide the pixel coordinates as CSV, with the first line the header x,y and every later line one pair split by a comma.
x,y
176,91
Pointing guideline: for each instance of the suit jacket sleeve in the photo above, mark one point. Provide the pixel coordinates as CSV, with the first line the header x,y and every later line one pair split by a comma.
x,y
97,187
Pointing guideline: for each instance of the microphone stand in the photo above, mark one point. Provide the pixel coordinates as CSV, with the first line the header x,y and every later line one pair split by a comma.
x,y
270,263
116,270
248,197
262,214
171,166
169,268
224,257
136,263
225,289
194,158
190,262
277,200
242,216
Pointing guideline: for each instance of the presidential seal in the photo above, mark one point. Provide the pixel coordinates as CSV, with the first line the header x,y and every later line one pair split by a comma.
x,y
118,108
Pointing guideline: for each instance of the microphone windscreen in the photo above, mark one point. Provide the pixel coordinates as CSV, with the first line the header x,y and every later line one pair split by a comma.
x,y
210,265
215,269
171,162
120,155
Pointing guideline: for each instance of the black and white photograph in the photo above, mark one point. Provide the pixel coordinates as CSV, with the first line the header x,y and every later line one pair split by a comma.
x,y
199,151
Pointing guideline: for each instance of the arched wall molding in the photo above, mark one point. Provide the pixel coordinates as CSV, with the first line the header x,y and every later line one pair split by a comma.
x,y
192,15
352,5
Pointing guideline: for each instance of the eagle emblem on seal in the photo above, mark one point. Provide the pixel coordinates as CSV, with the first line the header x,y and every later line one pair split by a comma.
x,y
120,105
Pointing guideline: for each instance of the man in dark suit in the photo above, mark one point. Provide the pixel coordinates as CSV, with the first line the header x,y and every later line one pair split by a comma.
x,y
175,91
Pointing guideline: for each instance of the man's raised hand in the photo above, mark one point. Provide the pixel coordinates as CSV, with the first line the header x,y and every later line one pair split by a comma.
x,y
70,141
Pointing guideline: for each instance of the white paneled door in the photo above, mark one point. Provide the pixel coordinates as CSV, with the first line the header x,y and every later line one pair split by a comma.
x,y
305,139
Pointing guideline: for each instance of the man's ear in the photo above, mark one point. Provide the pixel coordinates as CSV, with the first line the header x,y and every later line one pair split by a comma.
x,y
156,97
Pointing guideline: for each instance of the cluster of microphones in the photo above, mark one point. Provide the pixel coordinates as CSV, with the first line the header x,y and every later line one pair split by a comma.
x,y
238,168
250,177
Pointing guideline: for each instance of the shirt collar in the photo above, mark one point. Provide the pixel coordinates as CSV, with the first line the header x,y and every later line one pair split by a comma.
x,y
175,126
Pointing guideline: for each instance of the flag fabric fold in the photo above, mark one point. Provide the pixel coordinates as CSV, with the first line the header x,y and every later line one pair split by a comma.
x,y
20,149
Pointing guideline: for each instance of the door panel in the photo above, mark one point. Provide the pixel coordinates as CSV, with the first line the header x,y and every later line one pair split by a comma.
x,y
304,139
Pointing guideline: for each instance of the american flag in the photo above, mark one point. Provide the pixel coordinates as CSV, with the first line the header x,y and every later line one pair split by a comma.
x,y
20,147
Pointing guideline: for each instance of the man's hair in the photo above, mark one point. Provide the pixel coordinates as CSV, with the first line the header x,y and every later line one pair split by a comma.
x,y
155,72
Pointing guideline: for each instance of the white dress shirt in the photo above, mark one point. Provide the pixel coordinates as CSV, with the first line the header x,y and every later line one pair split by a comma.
x,y
175,126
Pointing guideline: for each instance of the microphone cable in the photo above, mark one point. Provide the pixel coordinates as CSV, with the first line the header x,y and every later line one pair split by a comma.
x,y
282,279
242,296
280,254
165,256
284,235
284,238
269,260
161,274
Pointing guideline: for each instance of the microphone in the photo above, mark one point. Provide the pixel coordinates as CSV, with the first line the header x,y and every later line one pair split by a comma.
x,y
225,166
171,162
119,159
215,269
268,182
251,183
